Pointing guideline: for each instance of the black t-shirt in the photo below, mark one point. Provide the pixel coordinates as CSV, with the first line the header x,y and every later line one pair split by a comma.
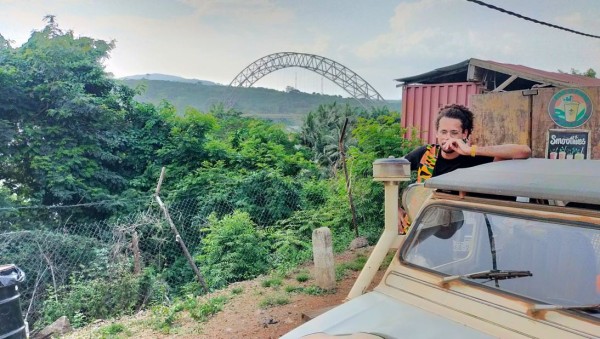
x,y
444,165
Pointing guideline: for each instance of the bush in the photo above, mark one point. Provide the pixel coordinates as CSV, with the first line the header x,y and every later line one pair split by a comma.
x,y
288,248
268,197
83,301
233,250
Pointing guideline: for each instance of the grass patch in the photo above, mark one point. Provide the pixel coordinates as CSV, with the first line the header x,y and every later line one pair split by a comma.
x,y
113,331
164,318
387,260
206,310
271,282
293,289
274,301
237,290
356,265
316,290
302,276
340,272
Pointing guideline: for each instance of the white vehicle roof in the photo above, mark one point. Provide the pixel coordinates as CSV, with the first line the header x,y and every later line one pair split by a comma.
x,y
564,180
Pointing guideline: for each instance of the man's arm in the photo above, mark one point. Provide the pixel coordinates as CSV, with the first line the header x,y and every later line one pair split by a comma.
x,y
499,152
503,152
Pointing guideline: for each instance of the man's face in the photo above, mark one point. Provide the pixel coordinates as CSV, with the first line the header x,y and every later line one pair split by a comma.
x,y
450,128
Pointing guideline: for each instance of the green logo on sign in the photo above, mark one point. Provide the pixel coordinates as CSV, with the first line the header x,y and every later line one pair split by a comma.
x,y
570,108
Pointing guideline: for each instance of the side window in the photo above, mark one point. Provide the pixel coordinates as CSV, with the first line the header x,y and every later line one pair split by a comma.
x,y
444,240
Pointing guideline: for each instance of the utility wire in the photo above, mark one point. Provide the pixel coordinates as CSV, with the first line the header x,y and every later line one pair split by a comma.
x,y
532,20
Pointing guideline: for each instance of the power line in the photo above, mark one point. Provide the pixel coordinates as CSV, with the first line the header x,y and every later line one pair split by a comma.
x,y
532,20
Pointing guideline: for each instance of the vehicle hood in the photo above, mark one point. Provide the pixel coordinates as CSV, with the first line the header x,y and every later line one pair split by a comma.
x,y
381,315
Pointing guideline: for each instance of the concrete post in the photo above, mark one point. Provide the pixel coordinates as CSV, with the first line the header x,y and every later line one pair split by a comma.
x,y
323,258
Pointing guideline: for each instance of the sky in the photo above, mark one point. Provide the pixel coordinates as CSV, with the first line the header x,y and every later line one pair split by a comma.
x,y
380,40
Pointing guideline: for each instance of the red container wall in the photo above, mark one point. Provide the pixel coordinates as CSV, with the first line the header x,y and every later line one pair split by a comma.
x,y
421,103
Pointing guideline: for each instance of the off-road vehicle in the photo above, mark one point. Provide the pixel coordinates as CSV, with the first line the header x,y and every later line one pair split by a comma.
x,y
509,249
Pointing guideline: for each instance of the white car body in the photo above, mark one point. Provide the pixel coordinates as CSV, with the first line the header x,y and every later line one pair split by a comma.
x,y
531,226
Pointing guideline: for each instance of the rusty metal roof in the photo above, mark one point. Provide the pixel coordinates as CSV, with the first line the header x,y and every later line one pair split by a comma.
x,y
470,69
452,73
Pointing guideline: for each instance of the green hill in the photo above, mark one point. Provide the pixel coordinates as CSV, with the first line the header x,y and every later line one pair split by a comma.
x,y
288,108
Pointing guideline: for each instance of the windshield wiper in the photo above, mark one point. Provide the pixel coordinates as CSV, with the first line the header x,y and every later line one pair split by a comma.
x,y
491,275
594,308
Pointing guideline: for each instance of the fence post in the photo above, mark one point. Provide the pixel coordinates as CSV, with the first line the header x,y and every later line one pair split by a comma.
x,y
177,236
137,258
323,258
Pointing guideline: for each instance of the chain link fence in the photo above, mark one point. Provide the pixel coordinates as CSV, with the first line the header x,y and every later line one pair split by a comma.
x,y
92,270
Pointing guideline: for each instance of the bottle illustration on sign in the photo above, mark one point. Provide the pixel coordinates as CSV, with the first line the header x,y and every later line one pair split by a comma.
x,y
552,155
562,154
579,155
571,109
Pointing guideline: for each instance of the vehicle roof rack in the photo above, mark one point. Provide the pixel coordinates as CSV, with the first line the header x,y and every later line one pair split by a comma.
x,y
573,182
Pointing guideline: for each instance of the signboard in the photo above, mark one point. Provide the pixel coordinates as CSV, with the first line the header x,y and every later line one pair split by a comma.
x,y
568,144
570,108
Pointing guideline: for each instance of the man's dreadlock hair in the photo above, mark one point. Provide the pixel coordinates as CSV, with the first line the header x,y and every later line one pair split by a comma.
x,y
460,112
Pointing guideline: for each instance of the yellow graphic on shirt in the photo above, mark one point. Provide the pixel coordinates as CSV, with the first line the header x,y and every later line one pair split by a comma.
x,y
427,163
424,172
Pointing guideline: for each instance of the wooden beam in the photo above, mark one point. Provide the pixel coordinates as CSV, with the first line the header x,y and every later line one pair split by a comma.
x,y
505,83
472,73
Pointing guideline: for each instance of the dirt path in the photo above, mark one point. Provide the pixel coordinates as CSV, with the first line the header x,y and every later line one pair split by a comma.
x,y
244,316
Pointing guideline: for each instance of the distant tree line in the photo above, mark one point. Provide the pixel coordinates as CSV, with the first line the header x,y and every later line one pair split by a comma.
x,y
591,73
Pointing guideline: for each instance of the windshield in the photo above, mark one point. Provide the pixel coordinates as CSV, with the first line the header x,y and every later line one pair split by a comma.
x,y
563,259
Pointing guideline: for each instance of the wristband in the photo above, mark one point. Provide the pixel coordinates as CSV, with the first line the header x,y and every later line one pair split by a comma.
x,y
473,150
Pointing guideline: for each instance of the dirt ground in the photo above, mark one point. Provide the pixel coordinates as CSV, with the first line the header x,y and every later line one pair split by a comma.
x,y
242,316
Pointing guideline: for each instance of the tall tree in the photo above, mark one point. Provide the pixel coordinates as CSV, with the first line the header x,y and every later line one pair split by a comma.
x,y
322,129
59,110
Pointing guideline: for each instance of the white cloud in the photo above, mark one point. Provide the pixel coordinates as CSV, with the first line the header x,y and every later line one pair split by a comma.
x,y
261,12
414,29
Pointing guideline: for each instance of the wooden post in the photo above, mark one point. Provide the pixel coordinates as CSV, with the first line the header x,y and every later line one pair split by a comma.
x,y
323,258
137,257
177,236
348,185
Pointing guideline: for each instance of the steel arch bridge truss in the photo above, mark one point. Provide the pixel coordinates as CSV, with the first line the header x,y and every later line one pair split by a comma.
x,y
341,75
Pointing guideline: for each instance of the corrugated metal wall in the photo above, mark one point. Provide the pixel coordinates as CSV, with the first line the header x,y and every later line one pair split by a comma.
x,y
421,103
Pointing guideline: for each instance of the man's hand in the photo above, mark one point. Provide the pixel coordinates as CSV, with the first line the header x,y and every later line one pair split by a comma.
x,y
456,145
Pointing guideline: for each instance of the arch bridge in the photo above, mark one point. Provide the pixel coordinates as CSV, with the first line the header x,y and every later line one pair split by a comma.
x,y
341,75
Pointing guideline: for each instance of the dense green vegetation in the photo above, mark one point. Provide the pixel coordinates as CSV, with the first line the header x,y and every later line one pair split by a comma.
x,y
80,159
